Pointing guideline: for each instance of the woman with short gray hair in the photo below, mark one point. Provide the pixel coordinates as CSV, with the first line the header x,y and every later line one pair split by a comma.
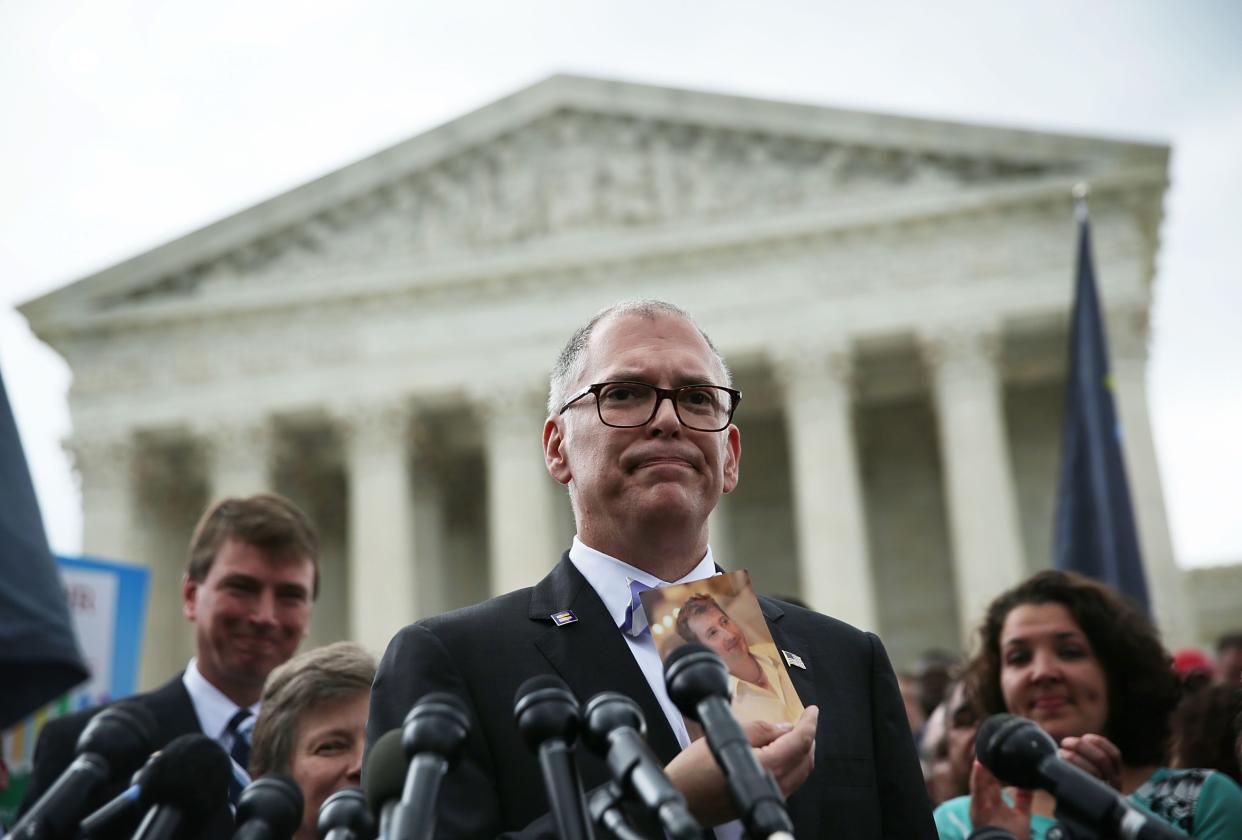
x,y
311,724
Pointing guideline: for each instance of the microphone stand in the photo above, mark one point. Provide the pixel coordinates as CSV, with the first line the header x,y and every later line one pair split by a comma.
x,y
605,810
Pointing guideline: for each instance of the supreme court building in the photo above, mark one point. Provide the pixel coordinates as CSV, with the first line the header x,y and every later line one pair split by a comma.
x,y
892,294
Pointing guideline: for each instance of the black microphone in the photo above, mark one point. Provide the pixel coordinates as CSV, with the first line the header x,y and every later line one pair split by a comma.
x,y
433,734
384,778
604,804
1019,753
345,815
114,744
616,731
122,805
698,683
187,783
547,716
270,808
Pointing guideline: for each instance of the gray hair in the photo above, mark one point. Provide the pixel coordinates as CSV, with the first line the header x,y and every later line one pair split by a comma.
x,y
323,675
572,361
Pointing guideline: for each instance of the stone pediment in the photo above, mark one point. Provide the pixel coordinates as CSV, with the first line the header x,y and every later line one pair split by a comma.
x,y
575,158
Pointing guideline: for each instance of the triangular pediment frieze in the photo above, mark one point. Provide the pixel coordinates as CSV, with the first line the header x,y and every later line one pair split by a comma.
x,y
573,173
580,158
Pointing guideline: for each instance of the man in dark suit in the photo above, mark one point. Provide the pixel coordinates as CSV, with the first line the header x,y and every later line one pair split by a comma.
x,y
640,430
248,588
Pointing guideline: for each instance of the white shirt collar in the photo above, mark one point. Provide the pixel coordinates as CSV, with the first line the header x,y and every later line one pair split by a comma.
x,y
610,577
214,710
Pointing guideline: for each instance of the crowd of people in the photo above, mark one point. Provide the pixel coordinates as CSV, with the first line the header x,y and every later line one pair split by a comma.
x,y
640,431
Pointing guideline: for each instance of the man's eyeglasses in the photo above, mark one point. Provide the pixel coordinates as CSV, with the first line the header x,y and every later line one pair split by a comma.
x,y
625,405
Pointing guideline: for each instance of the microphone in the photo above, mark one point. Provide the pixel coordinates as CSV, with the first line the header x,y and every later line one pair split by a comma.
x,y
698,684
384,778
616,731
270,808
345,815
604,804
186,784
114,743
125,803
547,716
432,735
1019,753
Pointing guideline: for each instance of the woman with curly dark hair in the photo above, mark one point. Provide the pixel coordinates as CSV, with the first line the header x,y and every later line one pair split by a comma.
x,y
1088,667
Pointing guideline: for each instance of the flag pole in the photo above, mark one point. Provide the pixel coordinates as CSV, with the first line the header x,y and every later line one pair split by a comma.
x,y
1080,192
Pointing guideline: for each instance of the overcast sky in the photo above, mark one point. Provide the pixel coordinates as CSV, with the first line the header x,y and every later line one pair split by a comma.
x,y
125,124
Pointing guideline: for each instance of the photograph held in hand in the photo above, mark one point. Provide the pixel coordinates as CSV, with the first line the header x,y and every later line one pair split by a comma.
x,y
722,613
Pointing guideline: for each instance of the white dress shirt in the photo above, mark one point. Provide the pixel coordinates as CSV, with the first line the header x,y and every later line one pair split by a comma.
x,y
610,578
214,710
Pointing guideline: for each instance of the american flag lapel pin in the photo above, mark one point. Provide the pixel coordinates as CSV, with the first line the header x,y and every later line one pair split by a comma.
x,y
794,660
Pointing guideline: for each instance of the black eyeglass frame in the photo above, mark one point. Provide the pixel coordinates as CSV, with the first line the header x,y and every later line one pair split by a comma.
x,y
670,394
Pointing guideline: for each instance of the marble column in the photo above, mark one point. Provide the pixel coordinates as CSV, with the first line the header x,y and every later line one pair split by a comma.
x,y
429,512
120,480
833,558
522,541
978,472
1166,584
105,467
240,457
382,567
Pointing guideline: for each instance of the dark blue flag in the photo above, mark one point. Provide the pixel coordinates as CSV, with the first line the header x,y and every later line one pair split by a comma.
x,y
1095,532
39,656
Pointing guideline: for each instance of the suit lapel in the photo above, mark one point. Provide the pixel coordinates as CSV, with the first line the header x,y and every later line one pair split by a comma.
x,y
590,654
804,805
788,639
173,709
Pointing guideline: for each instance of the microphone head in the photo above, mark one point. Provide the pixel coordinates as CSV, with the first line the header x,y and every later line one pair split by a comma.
x,y
273,800
544,708
438,723
692,674
606,712
386,767
124,734
347,809
1012,748
191,774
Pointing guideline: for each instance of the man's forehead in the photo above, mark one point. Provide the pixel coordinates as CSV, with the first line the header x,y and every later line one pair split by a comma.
x,y
237,554
626,345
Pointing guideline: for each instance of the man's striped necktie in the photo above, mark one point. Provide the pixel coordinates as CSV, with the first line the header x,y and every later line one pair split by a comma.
x,y
240,727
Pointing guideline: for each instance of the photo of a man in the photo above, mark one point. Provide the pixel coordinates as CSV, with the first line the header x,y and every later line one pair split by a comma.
x,y
758,681
722,613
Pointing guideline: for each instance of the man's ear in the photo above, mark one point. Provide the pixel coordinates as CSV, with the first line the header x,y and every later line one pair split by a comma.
x,y
189,594
733,456
554,454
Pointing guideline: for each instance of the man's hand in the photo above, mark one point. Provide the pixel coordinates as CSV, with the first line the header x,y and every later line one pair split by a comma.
x,y
788,752
1094,754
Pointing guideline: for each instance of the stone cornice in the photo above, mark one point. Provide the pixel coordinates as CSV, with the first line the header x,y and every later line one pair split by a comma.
x,y
253,235
558,261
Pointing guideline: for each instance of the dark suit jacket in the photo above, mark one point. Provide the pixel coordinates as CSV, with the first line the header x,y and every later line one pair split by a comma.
x,y
55,750
866,782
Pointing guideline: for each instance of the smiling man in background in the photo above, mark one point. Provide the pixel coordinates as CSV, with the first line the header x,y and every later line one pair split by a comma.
x,y
252,576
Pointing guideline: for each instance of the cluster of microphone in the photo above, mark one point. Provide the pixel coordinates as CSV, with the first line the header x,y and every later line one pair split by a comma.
x,y
177,790
406,765
612,727
182,788
173,792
